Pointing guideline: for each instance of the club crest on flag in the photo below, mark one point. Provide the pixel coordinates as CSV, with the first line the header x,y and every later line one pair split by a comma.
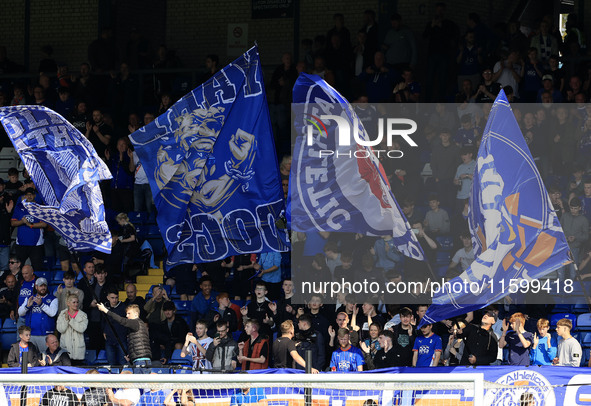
x,y
515,232
337,183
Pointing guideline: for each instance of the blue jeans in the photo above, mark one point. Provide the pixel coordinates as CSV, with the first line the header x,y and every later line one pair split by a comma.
x,y
143,366
115,354
142,198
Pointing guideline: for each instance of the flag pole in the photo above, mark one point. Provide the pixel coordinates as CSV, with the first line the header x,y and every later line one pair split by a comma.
x,y
583,288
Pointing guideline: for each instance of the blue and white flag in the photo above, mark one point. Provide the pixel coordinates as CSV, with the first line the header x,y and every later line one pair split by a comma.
x,y
339,186
516,234
66,171
210,160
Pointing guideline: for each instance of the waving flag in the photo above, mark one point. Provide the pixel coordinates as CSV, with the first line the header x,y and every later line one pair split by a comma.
x,y
66,170
211,164
335,186
515,232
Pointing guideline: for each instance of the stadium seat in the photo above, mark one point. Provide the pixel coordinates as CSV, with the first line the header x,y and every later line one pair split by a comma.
x,y
182,306
58,276
9,325
442,258
101,358
445,243
157,245
142,231
177,359
236,335
152,218
555,317
580,305
90,357
173,294
43,274
562,308
8,338
154,231
138,217
187,318
584,322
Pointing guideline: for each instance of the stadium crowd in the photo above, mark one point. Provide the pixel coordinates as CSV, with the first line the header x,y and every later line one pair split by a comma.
x,y
238,313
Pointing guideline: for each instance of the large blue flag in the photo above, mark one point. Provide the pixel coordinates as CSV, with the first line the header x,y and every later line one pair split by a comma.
x,y
516,234
335,186
210,160
66,170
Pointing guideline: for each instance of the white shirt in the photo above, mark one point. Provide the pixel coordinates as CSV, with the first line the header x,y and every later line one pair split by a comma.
x,y
140,173
132,394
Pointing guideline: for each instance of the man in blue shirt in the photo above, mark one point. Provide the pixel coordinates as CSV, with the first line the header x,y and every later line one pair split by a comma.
x,y
346,358
29,237
203,301
268,267
39,311
427,349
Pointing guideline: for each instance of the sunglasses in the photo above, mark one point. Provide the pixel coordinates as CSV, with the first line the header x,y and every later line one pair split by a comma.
x,y
13,262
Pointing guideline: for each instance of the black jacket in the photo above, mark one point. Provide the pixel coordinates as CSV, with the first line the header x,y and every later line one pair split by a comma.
x,y
138,340
481,343
311,340
14,355
229,317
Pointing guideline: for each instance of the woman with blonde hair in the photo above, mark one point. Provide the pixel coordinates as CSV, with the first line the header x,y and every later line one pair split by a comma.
x,y
72,323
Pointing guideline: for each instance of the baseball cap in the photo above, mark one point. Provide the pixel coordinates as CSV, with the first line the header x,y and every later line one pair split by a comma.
x,y
40,281
548,77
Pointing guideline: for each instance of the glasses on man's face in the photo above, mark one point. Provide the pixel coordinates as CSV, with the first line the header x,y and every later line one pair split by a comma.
x,y
13,262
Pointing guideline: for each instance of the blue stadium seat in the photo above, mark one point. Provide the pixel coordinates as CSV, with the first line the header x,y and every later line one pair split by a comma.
x,y
173,295
43,274
157,246
580,307
555,317
101,358
584,322
177,359
182,306
138,217
9,325
446,243
187,318
90,357
442,258
442,270
562,308
152,218
236,335
154,231
58,276
141,231
7,338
